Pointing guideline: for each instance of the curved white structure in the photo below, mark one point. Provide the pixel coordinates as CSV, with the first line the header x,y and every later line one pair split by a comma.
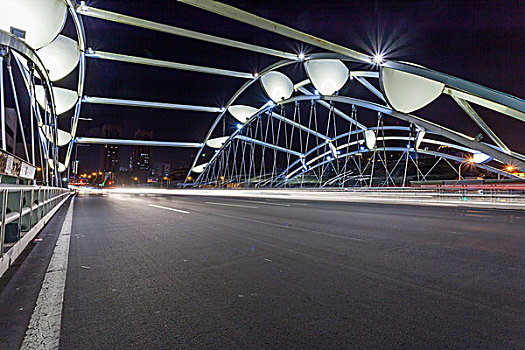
x,y
241,112
64,99
407,92
328,76
370,139
199,168
60,166
63,137
38,21
60,57
277,86
480,158
218,142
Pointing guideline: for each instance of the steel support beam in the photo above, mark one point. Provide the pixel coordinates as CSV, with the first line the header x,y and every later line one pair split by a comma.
x,y
133,21
481,123
336,111
370,87
269,145
299,126
161,105
256,21
166,64
146,143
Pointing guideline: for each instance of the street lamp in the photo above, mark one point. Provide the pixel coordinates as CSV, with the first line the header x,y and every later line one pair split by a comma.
x,y
467,161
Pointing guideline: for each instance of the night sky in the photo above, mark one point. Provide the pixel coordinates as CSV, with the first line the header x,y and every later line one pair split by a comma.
x,y
481,41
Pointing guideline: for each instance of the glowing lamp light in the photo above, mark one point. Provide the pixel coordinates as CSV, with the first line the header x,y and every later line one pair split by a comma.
x,y
199,168
63,137
239,126
60,57
301,56
480,158
64,99
407,92
242,113
37,22
370,139
277,86
378,58
328,76
217,142
509,168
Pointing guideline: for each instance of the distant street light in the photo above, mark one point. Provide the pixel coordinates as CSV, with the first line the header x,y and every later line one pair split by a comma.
x,y
468,161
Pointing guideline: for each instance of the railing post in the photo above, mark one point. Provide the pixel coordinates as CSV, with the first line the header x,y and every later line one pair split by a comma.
x,y
31,209
2,227
21,208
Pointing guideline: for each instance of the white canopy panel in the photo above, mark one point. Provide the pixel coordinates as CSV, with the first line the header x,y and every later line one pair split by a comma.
x,y
370,139
37,21
60,57
328,76
64,99
241,112
63,137
407,92
199,168
60,166
479,157
217,142
277,86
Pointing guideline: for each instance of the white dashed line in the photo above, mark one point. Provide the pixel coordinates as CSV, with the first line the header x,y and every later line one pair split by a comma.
x,y
268,203
168,208
233,205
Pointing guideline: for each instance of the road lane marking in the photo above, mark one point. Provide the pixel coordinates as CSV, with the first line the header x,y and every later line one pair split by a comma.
x,y
233,205
168,208
43,331
268,203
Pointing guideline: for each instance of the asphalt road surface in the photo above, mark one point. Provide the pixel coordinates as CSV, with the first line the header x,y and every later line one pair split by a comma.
x,y
161,272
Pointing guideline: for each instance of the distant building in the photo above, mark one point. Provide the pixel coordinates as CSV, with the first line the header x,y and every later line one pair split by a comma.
x,y
110,158
164,169
141,157
10,130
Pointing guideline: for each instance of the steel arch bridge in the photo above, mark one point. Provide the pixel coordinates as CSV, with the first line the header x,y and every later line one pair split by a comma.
x,y
307,133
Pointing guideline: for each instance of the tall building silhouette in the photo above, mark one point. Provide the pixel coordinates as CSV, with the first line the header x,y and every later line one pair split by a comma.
x,y
141,158
110,158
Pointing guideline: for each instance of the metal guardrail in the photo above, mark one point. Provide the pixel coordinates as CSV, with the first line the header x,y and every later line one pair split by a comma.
x,y
22,208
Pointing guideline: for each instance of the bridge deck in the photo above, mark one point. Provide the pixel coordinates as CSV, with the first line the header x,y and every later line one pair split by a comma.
x,y
206,272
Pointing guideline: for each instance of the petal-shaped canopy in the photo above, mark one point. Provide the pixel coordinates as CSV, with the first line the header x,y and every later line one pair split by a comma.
x,y
38,22
199,168
218,142
242,113
63,136
407,92
370,139
277,86
64,99
61,167
328,76
60,57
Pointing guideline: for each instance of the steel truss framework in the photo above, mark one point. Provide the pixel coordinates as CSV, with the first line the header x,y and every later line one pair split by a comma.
x,y
305,139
